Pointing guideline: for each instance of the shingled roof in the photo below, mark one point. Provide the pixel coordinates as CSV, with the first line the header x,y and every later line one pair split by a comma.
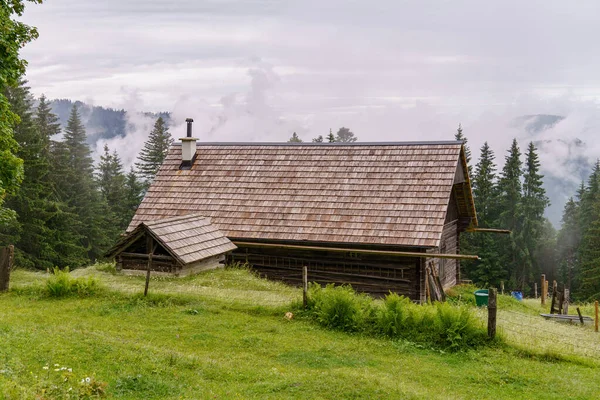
x,y
370,193
187,238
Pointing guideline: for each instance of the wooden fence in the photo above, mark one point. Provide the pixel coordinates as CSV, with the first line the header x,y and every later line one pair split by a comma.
x,y
6,263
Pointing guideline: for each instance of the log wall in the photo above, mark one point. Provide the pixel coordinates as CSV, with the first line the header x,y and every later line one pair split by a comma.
x,y
370,273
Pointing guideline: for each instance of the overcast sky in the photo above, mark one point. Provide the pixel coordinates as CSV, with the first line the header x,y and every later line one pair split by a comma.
x,y
261,69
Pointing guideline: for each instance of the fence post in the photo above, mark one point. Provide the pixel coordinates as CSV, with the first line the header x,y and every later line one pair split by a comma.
x,y
565,307
6,263
543,289
596,315
304,286
501,287
535,290
492,294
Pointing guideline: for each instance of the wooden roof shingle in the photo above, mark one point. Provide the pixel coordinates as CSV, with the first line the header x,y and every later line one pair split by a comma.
x,y
389,193
188,238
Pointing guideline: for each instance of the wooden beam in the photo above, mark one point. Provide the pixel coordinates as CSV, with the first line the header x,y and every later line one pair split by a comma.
x,y
346,250
141,256
489,230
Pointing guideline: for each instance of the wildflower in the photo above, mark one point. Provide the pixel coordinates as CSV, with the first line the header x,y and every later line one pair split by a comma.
x,y
56,369
70,369
45,367
87,380
70,389
57,365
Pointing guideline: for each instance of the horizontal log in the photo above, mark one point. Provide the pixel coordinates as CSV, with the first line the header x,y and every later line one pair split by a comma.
x,y
142,256
489,230
360,251
321,261
311,272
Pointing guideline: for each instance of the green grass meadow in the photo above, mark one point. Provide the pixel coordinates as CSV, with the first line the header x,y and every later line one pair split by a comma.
x,y
223,335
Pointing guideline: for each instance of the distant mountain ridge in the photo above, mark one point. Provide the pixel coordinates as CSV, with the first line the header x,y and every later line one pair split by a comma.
x,y
100,122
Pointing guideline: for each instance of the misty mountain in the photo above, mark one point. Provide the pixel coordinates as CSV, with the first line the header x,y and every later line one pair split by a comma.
x,y
565,163
537,123
100,122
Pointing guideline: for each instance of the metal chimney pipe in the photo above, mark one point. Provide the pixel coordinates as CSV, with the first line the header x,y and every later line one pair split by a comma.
x,y
189,126
188,147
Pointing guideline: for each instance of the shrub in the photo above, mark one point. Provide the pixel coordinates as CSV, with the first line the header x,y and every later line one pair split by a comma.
x,y
61,284
456,327
395,316
440,325
340,308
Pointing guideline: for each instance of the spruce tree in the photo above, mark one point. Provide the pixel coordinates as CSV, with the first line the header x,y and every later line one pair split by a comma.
x,y
111,182
330,137
534,204
294,138
344,135
568,242
318,139
31,202
510,215
154,152
484,186
134,190
589,251
65,225
488,270
97,230
461,137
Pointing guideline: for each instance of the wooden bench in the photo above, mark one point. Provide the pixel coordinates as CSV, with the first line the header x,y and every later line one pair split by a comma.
x,y
567,318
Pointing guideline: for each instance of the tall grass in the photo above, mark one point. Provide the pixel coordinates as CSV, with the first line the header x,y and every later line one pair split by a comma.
x,y
62,284
441,325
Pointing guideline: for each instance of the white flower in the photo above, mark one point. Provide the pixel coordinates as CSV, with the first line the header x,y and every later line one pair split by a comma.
x,y
82,381
70,369
70,389
56,369
57,365
45,367
88,380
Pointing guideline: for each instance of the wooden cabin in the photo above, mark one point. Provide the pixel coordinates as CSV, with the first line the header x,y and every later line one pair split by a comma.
x,y
179,246
369,214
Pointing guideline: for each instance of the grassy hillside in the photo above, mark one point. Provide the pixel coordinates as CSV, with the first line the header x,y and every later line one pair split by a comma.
x,y
222,334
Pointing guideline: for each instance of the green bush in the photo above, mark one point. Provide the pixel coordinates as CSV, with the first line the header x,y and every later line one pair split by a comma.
x,y
440,325
62,284
455,327
395,317
340,308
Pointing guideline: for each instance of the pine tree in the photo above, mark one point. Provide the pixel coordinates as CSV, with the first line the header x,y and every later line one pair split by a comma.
x,y
589,251
487,271
294,138
483,186
330,137
344,135
510,215
534,204
461,137
318,139
97,230
133,195
568,242
65,225
111,182
154,152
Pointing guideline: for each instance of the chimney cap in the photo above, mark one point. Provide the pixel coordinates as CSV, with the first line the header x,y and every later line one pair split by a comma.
x,y
189,120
